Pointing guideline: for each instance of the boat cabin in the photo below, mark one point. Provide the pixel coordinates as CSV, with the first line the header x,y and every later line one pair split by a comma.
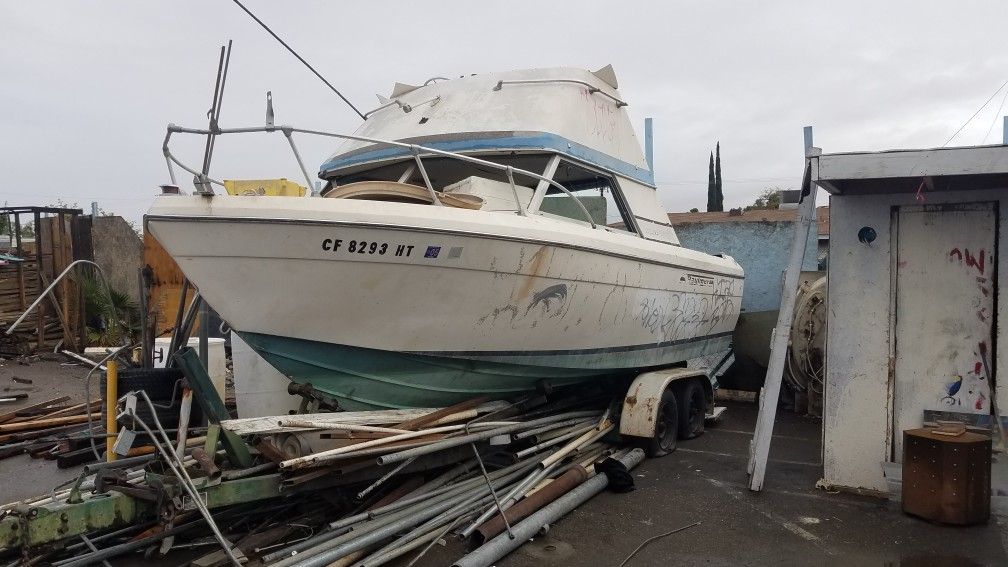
x,y
568,126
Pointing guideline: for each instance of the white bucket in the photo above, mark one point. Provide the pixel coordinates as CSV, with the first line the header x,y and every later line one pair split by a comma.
x,y
215,350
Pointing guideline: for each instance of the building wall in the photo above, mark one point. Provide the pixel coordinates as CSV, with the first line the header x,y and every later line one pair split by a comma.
x,y
857,400
119,251
761,248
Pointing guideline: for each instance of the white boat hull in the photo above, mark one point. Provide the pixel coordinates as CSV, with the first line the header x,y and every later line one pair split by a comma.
x,y
488,288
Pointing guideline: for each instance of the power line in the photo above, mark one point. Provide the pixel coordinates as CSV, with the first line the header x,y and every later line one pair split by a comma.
x,y
984,105
996,114
301,59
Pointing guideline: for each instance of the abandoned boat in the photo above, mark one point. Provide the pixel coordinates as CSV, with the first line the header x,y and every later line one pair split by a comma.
x,y
479,235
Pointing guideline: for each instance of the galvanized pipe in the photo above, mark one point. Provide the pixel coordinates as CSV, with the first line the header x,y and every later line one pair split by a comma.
x,y
555,441
473,437
583,441
388,530
350,450
550,427
445,477
377,530
426,497
562,485
427,532
498,547
510,498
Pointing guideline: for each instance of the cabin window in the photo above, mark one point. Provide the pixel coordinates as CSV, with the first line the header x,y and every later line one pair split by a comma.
x,y
598,192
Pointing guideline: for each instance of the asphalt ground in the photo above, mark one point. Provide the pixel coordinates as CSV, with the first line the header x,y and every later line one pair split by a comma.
x,y
789,523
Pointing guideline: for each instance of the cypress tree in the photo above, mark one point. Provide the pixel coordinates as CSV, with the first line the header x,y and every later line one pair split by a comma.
x,y
711,187
718,193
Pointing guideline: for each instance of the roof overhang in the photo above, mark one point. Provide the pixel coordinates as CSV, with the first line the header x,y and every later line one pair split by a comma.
x,y
903,171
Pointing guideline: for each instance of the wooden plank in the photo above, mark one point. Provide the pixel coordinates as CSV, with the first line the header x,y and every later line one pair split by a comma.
x,y
42,423
5,417
419,422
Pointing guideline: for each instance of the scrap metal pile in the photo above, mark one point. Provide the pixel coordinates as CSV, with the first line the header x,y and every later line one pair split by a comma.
x,y
344,488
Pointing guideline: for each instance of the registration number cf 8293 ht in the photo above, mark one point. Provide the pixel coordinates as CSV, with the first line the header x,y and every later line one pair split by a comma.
x,y
341,246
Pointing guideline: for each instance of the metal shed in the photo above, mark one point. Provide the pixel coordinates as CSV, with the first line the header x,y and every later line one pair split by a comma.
x,y
914,299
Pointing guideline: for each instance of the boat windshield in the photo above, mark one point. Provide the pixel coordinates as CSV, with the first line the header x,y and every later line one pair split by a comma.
x,y
597,191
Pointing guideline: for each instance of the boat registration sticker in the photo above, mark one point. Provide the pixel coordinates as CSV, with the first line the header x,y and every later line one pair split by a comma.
x,y
367,247
432,252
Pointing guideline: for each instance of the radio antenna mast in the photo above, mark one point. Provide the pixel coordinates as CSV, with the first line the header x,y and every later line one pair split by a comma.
x,y
301,59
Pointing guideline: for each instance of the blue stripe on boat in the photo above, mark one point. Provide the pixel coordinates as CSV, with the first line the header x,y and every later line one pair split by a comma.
x,y
473,142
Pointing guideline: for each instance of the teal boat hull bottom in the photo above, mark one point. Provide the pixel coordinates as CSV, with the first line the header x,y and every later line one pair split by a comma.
x,y
364,379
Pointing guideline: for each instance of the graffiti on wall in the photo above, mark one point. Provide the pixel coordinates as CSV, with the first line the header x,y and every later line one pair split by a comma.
x,y
968,387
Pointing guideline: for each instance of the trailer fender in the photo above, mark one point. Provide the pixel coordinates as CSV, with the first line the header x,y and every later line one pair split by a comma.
x,y
641,403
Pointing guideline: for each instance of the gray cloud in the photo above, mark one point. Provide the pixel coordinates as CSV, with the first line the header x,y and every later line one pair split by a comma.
x,y
86,89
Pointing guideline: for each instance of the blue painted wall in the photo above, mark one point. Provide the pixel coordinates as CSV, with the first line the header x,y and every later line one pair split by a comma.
x,y
761,248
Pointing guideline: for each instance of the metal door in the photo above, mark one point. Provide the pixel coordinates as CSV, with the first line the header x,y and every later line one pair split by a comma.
x,y
944,305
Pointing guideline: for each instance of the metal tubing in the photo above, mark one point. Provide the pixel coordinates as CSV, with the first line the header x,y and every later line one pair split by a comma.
x,y
445,477
427,497
592,89
182,475
411,147
554,441
431,530
76,356
521,510
183,331
204,334
583,441
349,451
56,280
179,314
298,547
538,430
251,471
383,478
498,547
514,190
297,156
422,514
423,173
473,437
510,499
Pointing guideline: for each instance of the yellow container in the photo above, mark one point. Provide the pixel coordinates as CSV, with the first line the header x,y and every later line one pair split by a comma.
x,y
267,187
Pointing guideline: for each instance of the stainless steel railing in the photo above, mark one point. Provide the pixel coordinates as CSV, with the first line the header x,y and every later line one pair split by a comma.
x,y
204,182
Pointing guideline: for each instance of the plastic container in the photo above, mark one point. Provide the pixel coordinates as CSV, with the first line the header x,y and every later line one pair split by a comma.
x,y
215,349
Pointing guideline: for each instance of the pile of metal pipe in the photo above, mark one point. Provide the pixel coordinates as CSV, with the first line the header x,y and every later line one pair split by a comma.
x,y
394,489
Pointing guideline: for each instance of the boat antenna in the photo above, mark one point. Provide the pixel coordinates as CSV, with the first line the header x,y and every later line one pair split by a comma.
x,y
301,59
214,113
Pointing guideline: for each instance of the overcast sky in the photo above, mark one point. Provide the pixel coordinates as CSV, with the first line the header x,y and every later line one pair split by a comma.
x,y
86,88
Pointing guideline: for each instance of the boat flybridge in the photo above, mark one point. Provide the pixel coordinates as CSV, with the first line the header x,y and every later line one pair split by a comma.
x,y
483,235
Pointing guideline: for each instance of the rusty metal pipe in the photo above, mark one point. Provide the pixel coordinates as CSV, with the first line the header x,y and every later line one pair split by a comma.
x,y
206,463
496,548
524,508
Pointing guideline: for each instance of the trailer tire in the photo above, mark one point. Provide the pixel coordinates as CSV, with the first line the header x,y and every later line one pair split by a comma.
x,y
692,408
666,427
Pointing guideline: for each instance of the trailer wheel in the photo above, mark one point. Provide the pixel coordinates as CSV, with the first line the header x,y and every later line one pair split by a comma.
x,y
692,409
666,428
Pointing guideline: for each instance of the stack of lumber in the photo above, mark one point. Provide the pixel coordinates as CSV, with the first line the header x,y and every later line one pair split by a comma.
x,y
55,429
